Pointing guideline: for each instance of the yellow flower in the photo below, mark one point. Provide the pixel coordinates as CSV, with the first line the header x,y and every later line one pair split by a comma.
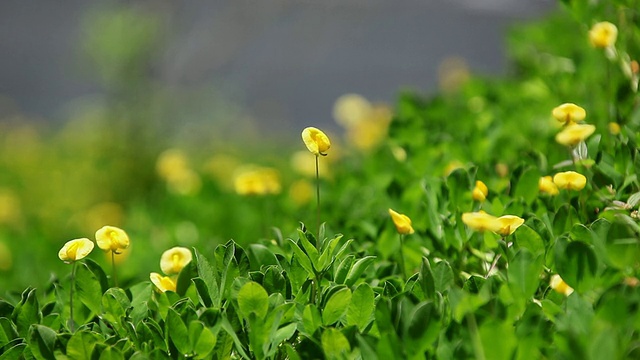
x,y
251,180
614,128
111,238
508,224
6,260
75,250
573,134
301,192
481,221
569,113
303,163
402,223
351,109
546,185
570,180
480,192
173,260
316,141
163,283
560,286
603,34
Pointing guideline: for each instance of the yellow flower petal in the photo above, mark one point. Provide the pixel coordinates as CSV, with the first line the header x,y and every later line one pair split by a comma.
x,y
76,249
253,180
546,185
480,192
508,224
316,141
163,283
560,286
614,128
402,223
111,238
603,34
573,134
481,221
570,180
569,113
173,260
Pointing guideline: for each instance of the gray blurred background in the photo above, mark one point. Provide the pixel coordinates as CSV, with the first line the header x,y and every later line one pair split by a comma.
x,y
280,62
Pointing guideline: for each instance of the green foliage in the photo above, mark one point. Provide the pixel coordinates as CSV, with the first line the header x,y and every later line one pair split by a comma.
x,y
297,294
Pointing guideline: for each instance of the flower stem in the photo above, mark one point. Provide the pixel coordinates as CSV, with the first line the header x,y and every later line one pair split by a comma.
x,y
72,324
402,267
317,202
113,266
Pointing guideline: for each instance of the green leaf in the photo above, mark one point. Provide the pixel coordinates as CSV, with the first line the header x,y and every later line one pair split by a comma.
x,y
422,327
203,341
527,186
527,238
203,292
311,320
260,255
498,339
442,276
274,281
621,244
115,304
207,274
336,306
253,298
360,312
341,272
427,282
358,268
111,353
178,332
334,344
524,274
302,258
27,312
309,249
577,264
81,344
88,288
15,352
42,341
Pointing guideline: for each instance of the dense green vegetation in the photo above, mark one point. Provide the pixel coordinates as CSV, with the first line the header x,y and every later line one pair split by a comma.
x,y
518,243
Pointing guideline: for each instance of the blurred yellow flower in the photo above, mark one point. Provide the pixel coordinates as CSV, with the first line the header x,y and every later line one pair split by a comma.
x,y
452,166
316,141
253,180
573,134
508,224
603,34
614,128
547,186
570,180
480,192
111,238
171,162
502,169
303,163
173,260
76,249
481,221
163,283
372,130
399,153
569,113
220,166
351,109
301,192
560,286
402,223
98,214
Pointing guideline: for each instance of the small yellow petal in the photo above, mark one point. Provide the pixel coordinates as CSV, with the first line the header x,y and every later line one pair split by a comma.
x,y
316,141
480,192
560,286
570,180
76,249
402,223
163,283
547,186
569,113
481,221
111,238
509,224
573,134
174,260
603,34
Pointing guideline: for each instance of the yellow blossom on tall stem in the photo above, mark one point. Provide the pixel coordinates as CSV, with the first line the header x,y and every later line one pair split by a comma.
x,y
480,191
570,180
568,113
163,283
403,225
547,186
508,224
603,34
112,239
560,286
481,221
573,134
317,142
71,252
174,260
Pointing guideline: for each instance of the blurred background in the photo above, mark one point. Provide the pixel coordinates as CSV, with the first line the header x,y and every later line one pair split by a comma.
x,y
139,113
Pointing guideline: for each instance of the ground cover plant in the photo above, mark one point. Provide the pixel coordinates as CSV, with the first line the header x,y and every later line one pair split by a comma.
x,y
497,219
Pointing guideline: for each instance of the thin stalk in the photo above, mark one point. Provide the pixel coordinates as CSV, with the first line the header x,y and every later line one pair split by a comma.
x,y
493,265
113,266
402,267
475,336
72,324
317,202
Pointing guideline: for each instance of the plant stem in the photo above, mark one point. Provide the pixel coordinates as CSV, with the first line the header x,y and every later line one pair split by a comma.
x,y
402,267
475,336
113,266
72,324
317,202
